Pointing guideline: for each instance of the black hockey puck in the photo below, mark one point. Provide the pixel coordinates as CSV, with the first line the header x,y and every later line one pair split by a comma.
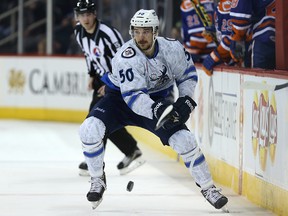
x,y
130,186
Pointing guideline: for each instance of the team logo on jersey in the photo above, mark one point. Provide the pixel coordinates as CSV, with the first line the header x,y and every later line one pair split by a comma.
x,y
97,52
162,79
226,6
128,53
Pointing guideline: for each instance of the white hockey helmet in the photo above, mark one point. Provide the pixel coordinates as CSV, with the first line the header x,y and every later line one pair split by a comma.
x,y
145,18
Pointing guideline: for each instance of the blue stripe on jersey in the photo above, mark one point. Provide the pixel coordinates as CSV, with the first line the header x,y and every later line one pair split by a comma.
x,y
133,92
155,96
94,154
190,69
156,50
162,94
199,160
195,77
133,96
108,82
132,100
187,164
196,162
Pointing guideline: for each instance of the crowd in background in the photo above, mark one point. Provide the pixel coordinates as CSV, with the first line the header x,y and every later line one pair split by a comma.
x,y
187,28
34,35
34,25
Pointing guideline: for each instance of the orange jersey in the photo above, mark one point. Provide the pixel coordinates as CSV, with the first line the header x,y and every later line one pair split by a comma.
x,y
223,26
258,15
192,27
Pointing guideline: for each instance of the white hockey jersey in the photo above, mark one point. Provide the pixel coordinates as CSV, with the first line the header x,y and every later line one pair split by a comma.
x,y
140,78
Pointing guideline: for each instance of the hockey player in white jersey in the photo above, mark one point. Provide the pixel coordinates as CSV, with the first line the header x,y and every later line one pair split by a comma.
x,y
144,72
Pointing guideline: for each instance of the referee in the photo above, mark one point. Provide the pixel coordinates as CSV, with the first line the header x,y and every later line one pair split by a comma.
x,y
99,43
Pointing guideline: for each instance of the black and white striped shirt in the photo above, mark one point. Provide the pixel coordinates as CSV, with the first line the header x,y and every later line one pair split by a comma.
x,y
99,48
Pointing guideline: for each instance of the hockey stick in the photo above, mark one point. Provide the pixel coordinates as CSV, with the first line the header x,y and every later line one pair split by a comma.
x,y
262,86
166,116
205,19
200,10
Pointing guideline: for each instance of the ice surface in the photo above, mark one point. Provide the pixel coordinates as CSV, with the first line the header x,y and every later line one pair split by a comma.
x,y
39,177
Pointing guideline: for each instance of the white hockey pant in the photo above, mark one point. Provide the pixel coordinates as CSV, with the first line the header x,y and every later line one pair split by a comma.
x,y
92,132
185,144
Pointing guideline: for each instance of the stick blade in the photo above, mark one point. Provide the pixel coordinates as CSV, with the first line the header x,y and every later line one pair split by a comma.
x,y
278,87
262,86
164,117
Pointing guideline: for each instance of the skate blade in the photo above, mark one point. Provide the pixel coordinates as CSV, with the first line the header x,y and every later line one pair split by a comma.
x,y
135,164
96,204
225,209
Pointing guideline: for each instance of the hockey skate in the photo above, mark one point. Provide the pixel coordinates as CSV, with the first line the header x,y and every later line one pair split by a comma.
x,y
95,194
131,162
215,198
83,169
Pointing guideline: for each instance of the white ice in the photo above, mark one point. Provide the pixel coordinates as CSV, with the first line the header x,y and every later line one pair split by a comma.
x,y
39,177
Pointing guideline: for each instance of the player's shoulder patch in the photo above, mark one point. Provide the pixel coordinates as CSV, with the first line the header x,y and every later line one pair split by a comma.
x,y
170,39
129,52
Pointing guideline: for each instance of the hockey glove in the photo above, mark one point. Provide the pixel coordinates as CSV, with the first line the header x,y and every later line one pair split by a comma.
x,y
158,108
210,62
183,107
237,50
209,33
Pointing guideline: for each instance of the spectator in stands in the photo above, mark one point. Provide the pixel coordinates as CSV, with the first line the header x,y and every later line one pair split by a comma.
x,y
5,23
74,48
34,31
61,33
176,31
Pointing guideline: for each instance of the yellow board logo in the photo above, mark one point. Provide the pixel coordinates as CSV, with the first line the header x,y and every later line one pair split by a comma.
x,y
264,127
16,81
